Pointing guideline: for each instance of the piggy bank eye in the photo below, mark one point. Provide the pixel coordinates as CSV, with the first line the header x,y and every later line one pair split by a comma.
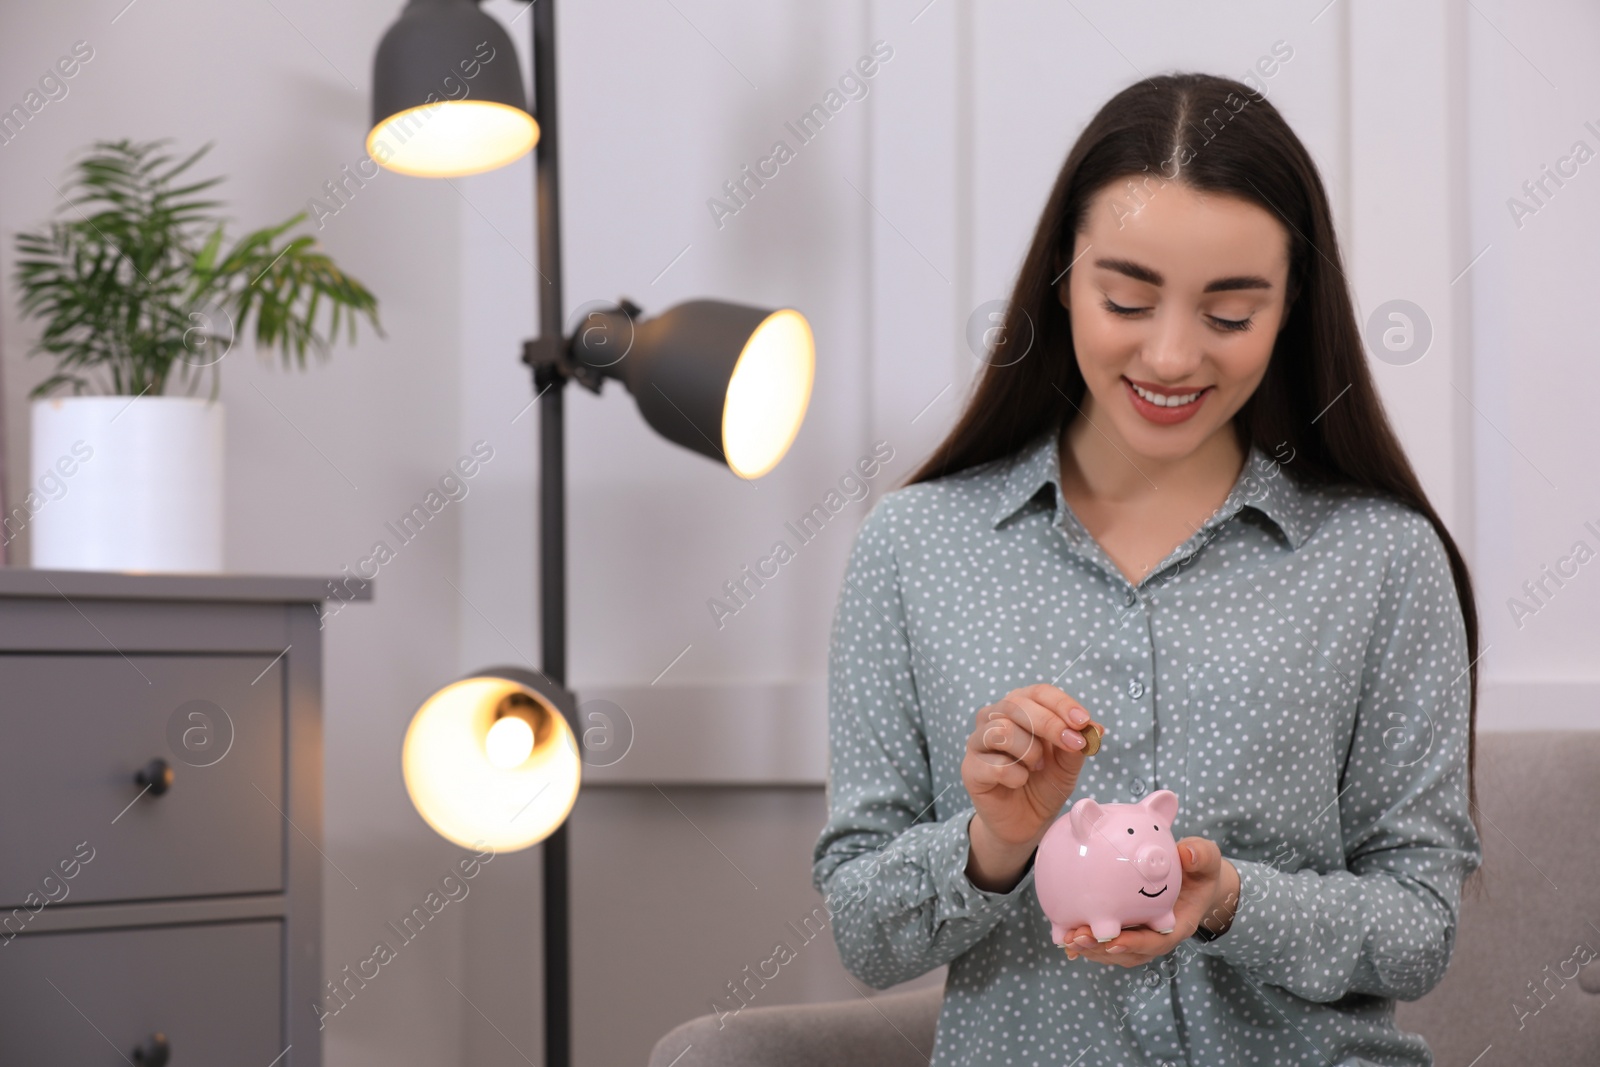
x,y
1130,829
1155,827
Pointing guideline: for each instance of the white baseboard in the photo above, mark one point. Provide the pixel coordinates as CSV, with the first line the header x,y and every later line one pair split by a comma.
x,y
1535,704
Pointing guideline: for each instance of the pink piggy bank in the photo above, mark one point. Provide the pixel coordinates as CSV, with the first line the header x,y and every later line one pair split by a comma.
x,y
1107,866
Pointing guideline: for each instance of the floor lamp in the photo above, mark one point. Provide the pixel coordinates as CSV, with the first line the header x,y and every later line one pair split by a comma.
x,y
496,757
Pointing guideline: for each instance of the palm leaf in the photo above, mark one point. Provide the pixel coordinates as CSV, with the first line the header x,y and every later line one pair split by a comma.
x,y
115,277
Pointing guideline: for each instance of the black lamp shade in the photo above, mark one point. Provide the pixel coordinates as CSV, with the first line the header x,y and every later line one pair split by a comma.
x,y
447,95
728,381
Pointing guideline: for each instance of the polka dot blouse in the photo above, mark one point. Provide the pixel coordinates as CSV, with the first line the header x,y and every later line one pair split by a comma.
x,y
1296,671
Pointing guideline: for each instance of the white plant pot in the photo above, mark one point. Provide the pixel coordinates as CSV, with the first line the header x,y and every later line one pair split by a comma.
x,y
125,484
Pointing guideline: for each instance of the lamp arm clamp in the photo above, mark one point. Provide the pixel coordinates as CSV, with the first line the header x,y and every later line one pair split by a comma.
x,y
557,360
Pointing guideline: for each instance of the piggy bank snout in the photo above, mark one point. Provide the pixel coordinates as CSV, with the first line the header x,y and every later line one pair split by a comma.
x,y
1152,862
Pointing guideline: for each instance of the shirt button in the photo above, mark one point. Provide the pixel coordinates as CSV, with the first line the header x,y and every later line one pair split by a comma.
x,y
1151,978
1137,785
1135,687
1133,598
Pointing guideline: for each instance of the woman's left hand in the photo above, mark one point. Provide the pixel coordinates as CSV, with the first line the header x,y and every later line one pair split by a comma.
x,y
1210,888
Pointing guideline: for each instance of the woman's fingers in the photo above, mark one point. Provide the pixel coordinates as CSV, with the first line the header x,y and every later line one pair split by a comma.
x,y
1207,855
1067,708
1027,731
1134,946
989,769
1045,715
1066,725
1033,719
1003,734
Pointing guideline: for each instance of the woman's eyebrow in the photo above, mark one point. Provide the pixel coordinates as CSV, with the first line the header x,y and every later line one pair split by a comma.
x,y
1140,272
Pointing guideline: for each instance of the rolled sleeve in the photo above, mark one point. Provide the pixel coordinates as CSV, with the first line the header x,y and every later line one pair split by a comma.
x,y
1385,925
958,897
892,874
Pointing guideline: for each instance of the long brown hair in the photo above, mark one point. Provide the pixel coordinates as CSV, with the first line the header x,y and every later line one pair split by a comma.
x,y
1214,135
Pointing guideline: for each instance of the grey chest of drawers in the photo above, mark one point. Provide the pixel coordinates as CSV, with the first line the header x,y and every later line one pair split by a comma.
x,y
161,860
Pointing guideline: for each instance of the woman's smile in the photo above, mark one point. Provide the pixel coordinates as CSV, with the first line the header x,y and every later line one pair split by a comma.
x,y
1164,408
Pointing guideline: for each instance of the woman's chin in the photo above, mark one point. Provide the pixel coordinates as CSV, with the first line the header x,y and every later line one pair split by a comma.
x,y
1160,444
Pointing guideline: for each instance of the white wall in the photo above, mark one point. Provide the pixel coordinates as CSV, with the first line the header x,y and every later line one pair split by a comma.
x,y
911,208
1533,99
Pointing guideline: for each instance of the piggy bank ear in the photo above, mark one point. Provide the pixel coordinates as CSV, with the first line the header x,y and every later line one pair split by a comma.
x,y
1164,803
1085,816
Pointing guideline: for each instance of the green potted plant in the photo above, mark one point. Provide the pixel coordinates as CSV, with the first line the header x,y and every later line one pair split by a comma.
x,y
140,300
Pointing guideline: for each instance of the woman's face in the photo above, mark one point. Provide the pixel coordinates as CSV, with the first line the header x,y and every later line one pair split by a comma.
x,y
1183,294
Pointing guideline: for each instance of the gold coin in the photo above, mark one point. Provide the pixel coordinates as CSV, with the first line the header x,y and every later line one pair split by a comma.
x,y
1091,738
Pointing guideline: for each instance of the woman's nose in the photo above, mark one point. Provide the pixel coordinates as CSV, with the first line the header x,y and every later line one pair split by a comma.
x,y
1176,350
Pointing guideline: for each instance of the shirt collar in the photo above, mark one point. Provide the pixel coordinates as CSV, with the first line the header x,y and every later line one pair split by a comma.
x,y
1261,485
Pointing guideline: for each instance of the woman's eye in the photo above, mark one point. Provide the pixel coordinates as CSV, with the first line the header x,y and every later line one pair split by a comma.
x,y
1227,325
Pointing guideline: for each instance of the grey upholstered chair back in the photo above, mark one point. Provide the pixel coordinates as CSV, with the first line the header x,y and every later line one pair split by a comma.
x,y
1517,981
1519,986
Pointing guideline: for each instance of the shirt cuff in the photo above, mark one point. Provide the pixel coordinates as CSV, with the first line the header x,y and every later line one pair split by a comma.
x,y
958,897
1255,930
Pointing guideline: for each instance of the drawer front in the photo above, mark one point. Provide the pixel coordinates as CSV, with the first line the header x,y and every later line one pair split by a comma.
x,y
89,999
74,827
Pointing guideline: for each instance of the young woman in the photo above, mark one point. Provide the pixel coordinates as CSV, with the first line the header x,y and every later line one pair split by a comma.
x,y
1174,507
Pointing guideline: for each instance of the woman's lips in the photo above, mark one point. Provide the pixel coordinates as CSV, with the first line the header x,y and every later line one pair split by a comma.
x,y
1164,416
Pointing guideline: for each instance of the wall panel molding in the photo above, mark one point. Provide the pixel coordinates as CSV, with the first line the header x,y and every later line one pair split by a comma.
x,y
737,733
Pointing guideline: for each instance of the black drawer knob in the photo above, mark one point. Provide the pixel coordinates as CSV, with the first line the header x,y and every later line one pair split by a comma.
x,y
155,1052
157,776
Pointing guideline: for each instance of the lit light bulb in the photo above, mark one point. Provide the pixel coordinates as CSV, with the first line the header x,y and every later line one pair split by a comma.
x,y
768,393
461,137
509,741
476,780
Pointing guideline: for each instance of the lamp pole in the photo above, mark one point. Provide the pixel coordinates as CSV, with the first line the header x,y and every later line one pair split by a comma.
x,y
692,366
550,383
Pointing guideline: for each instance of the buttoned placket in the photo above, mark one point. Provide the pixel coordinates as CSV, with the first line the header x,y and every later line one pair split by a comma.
x,y
1150,1006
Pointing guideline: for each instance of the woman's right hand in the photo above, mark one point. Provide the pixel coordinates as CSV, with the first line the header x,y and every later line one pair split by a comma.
x,y
1022,763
